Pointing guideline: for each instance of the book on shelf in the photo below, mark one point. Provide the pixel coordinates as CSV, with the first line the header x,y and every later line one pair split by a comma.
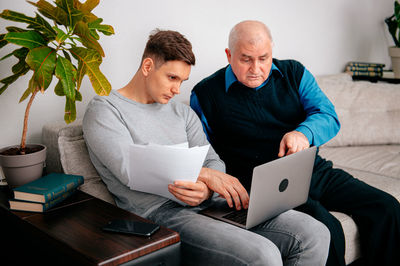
x,y
47,187
21,205
365,73
364,68
365,64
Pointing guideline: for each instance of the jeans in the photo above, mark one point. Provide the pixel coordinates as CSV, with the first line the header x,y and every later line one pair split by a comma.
x,y
291,238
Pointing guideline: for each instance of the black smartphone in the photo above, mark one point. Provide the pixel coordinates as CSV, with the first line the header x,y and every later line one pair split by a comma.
x,y
131,227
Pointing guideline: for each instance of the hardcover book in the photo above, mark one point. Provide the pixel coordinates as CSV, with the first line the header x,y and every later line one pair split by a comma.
x,y
20,205
48,187
365,73
366,69
365,64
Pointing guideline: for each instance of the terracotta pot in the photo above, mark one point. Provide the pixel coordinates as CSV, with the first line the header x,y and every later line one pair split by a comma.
x,y
22,169
394,53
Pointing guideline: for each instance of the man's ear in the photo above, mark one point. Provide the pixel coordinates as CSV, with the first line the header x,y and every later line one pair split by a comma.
x,y
147,66
228,54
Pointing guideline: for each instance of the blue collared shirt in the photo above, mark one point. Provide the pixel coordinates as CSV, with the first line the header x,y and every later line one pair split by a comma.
x,y
321,123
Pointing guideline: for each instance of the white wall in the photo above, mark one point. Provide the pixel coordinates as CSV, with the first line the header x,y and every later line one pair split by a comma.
x,y
323,35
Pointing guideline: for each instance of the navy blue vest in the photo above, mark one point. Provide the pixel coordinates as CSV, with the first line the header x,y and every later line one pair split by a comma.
x,y
248,125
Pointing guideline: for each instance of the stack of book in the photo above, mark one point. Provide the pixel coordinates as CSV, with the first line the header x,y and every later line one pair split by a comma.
x,y
362,69
45,192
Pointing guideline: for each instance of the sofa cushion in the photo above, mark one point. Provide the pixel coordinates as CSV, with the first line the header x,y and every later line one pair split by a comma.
x,y
385,183
369,113
75,160
351,236
377,159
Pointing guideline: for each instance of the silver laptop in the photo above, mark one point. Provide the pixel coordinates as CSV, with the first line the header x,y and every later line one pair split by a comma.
x,y
276,187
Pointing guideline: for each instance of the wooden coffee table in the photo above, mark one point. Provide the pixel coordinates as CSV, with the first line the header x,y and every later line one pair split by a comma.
x,y
71,233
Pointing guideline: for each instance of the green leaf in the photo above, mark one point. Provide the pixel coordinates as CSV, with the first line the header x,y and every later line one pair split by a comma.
x,y
3,88
43,26
86,9
397,10
66,55
105,29
20,67
82,30
32,85
20,71
70,110
2,41
42,61
10,79
66,72
91,61
94,34
15,29
88,6
61,35
37,23
58,89
80,73
73,15
6,56
51,12
21,53
78,96
28,39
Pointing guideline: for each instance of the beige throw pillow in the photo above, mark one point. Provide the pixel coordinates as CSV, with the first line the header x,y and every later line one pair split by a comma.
x,y
75,160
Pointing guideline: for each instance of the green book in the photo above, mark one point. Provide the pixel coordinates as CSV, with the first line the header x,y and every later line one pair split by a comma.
x,y
365,73
21,205
47,187
365,69
365,64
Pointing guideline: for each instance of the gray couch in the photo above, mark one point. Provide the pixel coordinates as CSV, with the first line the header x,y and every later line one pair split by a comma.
x,y
367,146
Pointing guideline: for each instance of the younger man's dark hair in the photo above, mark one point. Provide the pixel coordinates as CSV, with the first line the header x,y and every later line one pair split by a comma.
x,y
168,45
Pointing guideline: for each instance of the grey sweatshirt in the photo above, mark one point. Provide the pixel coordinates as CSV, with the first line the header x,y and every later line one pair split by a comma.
x,y
111,123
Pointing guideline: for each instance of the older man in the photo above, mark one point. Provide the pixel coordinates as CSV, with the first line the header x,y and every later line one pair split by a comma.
x,y
258,109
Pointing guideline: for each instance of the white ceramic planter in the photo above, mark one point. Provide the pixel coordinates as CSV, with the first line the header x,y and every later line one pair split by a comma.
x,y
394,53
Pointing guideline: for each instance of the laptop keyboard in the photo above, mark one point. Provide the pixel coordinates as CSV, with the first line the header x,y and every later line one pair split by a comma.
x,y
237,216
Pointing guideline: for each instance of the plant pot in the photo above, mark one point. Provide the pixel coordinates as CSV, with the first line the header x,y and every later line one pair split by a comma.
x,y
394,53
22,169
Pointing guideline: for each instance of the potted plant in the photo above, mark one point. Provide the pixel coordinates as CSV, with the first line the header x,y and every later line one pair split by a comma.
x,y
66,48
393,24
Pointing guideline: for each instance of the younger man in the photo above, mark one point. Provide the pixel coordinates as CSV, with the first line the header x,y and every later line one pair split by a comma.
x,y
143,112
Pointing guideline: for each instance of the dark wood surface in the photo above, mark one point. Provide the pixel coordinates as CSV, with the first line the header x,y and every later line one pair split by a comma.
x,y
74,232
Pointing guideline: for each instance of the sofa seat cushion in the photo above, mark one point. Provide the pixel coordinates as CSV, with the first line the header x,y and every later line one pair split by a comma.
x,y
378,159
378,166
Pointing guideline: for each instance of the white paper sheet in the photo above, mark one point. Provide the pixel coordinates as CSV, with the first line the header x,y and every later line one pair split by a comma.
x,y
153,166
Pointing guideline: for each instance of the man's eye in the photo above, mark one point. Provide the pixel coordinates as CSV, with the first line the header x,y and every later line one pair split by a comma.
x,y
172,77
245,60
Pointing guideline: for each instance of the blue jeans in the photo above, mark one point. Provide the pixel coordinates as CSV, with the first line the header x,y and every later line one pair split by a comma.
x,y
292,238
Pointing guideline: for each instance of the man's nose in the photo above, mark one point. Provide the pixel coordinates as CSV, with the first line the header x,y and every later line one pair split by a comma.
x,y
254,67
175,90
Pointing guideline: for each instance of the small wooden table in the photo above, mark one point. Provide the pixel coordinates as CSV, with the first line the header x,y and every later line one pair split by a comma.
x,y
71,233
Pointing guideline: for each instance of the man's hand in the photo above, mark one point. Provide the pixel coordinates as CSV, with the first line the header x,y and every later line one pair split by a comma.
x,y
189,192
293,142
227,186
